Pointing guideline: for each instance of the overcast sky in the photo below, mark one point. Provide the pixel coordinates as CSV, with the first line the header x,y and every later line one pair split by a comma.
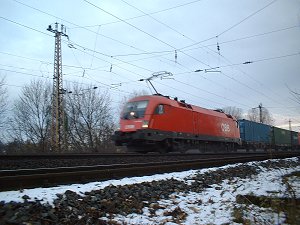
x,y
115,43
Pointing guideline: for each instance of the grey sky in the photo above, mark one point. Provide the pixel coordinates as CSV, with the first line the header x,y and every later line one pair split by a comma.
x,y
263,32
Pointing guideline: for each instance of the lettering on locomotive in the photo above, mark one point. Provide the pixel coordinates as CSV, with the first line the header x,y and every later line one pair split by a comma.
x,y
131,126
225,127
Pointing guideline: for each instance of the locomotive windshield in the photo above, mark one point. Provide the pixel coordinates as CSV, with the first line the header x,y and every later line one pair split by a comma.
x,y
134,110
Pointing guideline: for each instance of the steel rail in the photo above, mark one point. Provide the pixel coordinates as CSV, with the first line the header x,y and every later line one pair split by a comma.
x,y
108,155
45,177
13,162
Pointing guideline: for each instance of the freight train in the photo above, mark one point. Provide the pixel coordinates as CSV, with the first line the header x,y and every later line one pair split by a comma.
x,y
159,123
262,136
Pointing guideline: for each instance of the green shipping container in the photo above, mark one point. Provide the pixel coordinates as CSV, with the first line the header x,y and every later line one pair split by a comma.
x,y
281,137
294,137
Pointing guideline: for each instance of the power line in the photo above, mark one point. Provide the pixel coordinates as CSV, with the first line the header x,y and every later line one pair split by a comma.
x,y
219,96
90,30
206,78
232,78
13,85
34,75
30,74
246,18
137,28
52,63
22,68
248,62
72,43
236,64
115,40
233,26
273,58
164,24
22,25
209,45
127,23
110,86
152,13
127,82
124,21
93,51
196,96
257,60
261,34
246,37
38,60
107,56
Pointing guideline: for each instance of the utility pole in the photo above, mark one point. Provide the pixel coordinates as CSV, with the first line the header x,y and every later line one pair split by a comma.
x,y
291,134
290,124
57,125
260,112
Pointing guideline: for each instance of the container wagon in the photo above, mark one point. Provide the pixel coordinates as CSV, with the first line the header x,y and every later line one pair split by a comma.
x,y
255,135
281,138
294,140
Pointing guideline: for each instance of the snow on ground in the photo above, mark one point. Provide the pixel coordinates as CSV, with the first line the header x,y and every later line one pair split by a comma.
x,y
47,195
215,205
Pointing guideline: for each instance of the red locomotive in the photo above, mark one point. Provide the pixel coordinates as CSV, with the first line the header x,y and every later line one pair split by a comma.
x,y
158,123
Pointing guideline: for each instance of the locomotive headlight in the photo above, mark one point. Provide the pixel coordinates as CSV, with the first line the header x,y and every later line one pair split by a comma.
x,y
145,124
132,114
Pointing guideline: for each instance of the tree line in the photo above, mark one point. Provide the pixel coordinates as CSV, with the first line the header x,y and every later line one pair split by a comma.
x,y
89,119
253,114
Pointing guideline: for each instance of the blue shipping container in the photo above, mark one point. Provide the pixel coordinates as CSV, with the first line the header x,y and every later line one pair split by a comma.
x,y
253,132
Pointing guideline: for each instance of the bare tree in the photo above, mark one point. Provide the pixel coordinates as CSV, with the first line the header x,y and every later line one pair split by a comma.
x,y
30,122
264,116
234,111
90,119
3,102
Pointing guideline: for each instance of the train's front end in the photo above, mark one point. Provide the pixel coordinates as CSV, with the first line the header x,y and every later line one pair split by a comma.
x,y
134,124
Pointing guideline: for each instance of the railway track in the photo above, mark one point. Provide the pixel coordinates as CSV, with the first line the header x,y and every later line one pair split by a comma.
x,y
14,162
45,177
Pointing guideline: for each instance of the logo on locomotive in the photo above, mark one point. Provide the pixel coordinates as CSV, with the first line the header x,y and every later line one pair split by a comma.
x,y
225,127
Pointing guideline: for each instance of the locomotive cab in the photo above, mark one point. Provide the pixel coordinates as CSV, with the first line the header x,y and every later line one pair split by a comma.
x,y
133,116
139,122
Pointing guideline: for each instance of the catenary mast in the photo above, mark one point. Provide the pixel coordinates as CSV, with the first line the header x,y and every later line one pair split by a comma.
x,y
57,124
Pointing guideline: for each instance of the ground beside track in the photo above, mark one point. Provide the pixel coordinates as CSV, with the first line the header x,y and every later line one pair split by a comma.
x,y
207,196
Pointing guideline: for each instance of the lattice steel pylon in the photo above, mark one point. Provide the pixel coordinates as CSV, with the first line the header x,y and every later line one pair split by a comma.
x,y
57,125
